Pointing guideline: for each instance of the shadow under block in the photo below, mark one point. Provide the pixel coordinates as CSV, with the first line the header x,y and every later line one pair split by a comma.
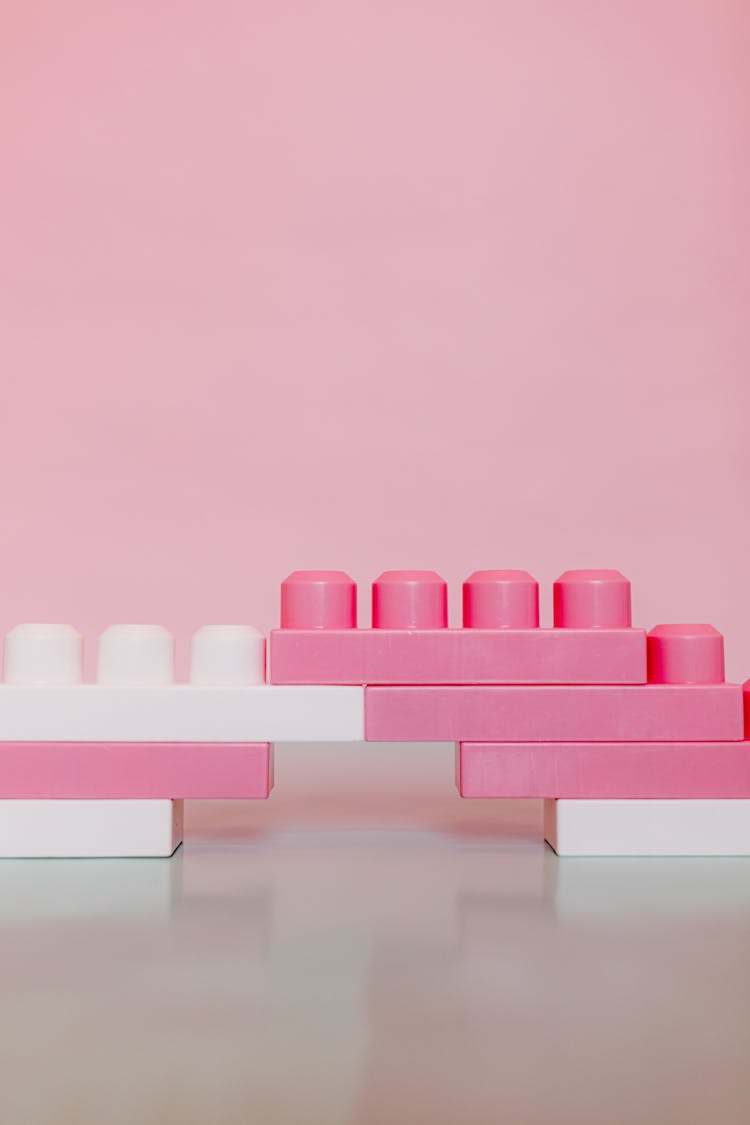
x,y
648,828
139,770
97,829
458,656
576,713
609,770
180,713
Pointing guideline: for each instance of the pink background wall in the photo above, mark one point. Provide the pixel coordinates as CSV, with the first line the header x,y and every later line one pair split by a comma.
x,y
446,285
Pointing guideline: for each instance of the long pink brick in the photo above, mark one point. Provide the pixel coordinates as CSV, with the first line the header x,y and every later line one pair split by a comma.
x,y
578,713
134,770
458,656
607,770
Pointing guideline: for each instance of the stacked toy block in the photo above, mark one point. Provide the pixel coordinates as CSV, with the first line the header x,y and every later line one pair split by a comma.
x,y
635,742
102,769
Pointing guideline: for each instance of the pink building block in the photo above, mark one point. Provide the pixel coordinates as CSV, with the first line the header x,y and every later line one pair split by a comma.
x,y
458,656
555,713
135,770
607,770
500,642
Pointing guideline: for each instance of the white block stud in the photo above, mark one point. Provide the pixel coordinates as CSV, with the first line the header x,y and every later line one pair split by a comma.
x,y
228,654
43,654
135,654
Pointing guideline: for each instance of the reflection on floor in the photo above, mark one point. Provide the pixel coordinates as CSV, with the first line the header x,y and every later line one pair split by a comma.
x,y
359,954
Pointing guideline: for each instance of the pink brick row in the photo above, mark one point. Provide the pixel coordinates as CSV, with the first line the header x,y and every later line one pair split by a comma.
x,y
456,656
592,641
135,770
605,771
572,713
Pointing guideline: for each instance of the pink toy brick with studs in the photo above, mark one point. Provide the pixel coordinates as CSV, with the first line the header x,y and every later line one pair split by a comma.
x,y
500,643
657,718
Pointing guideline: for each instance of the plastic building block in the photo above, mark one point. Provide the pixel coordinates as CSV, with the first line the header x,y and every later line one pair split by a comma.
x,y
458,656
410,643
136,702
612,770
137,770
73,829
685,654
577,713
648,828
181,713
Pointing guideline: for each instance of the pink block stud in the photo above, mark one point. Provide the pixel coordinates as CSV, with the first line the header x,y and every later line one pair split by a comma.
x,y
685,654
318,599
592,599
409,599
501,599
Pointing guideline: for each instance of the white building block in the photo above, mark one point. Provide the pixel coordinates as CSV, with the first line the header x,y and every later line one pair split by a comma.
x,y
135,699
76,829
648,828
180,713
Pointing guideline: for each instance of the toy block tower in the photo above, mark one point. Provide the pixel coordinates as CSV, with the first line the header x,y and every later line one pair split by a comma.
x,y
634,741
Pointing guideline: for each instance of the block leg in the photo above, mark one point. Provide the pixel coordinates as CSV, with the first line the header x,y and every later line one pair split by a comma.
x,y
77,829
648,828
